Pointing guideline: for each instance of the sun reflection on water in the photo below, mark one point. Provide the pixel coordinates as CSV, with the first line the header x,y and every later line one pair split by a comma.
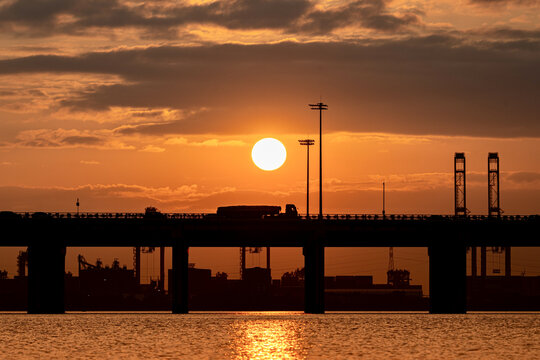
x,y
267,338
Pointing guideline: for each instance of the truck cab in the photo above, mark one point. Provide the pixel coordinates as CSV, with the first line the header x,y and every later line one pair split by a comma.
x,y
290,210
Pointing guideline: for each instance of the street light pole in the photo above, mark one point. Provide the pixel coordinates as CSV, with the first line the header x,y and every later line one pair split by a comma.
x,y
320,106
307,143
383,201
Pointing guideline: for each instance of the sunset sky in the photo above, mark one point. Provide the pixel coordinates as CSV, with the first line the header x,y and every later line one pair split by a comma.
x,y
128,104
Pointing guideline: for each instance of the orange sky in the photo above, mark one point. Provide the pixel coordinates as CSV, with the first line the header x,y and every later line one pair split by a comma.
x,y
127,104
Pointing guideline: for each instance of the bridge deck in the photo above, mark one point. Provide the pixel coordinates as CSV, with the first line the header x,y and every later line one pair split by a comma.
x,y
207,231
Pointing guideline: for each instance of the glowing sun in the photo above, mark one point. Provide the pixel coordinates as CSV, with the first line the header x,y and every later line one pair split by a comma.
x,y
268,154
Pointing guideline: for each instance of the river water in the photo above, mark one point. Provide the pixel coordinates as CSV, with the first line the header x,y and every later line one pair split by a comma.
x,y
270,335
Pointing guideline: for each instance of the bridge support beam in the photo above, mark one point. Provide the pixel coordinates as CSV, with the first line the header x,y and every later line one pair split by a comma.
x,y
483,262
46,278
314,279
448,278
180,292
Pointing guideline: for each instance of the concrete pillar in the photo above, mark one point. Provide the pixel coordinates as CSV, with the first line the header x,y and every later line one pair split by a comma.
x,y
507,261
138,265
314,279
474,266
46,278
268,261
242,263
448,278
180,292
161,283
483,260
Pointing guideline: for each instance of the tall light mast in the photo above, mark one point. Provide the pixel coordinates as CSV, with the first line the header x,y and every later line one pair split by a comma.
x,y
320,106
307,143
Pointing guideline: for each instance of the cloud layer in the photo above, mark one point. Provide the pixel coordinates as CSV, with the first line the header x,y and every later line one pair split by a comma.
x,y
444,84
41,18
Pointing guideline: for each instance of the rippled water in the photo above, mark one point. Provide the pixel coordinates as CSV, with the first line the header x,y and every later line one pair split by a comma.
x,y
269,335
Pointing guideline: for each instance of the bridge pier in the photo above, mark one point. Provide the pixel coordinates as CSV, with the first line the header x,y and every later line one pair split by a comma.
x,y
448,278
483,261
314,279
180,292
46,278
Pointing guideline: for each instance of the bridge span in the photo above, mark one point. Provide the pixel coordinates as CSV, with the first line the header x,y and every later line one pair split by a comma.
x,y
446,238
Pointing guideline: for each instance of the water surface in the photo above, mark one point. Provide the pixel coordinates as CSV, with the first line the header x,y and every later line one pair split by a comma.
x,y
270,335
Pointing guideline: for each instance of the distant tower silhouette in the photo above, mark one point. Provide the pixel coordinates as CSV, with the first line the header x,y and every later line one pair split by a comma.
x,y
77,206
320,106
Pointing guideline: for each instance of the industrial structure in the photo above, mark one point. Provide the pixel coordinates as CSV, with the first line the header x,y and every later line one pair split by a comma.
x,y
494,211
460,188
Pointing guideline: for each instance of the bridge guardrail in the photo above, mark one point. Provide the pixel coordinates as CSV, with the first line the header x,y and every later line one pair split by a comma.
x,y
356,217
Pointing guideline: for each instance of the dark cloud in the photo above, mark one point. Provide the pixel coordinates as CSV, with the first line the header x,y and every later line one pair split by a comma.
x,y
370,14
505,2
81,140
39,143
41,17
57,138
524,177
508,33
36,93
421,85
244,14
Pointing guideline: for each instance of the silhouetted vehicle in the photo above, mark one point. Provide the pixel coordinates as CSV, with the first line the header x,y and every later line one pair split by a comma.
x,y
290,211
255,211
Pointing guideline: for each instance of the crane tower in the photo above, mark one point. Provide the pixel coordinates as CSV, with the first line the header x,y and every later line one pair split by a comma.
x,y
460,195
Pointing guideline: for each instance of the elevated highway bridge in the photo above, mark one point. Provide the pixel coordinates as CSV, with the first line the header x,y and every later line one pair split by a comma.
x,y
446,238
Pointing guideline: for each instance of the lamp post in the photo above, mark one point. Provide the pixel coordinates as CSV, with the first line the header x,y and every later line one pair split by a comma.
x,y
320,106
307,143
383,201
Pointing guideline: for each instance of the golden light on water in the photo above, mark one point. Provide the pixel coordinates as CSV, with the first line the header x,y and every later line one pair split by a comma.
x,y
268,339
